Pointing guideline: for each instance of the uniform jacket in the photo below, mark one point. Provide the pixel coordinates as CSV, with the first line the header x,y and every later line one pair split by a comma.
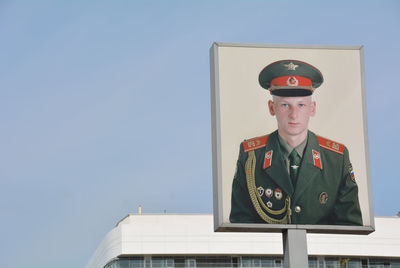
x,y
326,191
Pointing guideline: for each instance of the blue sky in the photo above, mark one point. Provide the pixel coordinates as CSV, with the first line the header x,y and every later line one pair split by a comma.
x,y
105,106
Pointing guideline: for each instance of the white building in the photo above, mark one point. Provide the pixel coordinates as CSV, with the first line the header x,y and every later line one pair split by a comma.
x,y
188,240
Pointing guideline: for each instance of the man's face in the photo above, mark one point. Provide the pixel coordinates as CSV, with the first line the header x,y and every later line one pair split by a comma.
x,y
292,114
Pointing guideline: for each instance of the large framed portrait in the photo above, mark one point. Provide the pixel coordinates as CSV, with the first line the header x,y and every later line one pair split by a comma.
x,y
253,181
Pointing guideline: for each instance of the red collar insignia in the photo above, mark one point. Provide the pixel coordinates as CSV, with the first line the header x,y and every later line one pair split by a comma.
x,y
317,159
268,159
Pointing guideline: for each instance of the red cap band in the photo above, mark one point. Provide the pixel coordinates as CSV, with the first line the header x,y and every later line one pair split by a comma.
x,y
291,81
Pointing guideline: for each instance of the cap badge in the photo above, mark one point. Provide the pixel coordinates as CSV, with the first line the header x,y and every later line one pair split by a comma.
x,y
292,81
268,192
323,198
260,190
291,66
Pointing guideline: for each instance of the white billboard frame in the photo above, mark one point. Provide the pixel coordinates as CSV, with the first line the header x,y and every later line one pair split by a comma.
x,y
236,94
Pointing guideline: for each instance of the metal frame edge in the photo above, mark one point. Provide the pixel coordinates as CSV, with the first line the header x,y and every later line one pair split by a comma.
x,y
215,136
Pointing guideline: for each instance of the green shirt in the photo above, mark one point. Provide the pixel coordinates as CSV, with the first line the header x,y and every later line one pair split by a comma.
x,y
286,150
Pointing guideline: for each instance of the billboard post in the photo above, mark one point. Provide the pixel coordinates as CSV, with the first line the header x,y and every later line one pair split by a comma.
x,y
295,248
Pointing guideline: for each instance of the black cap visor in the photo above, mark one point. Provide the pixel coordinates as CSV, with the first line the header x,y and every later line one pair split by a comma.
x,y
291,92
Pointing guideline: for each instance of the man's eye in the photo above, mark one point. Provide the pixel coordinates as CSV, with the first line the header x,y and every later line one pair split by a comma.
x,y
302,105
284,105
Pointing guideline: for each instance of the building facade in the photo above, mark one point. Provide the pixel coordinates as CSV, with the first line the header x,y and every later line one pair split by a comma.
x,y
188,240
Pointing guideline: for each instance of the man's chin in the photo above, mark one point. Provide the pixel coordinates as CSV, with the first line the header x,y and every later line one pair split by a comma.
x,y
295,132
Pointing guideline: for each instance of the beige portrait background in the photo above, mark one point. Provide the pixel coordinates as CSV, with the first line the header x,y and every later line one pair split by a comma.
x,y
241,110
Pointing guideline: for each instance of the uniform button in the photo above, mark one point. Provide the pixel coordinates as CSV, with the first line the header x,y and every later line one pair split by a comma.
x,y
297,209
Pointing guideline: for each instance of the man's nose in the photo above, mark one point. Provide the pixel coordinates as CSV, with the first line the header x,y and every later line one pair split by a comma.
x,y
293,112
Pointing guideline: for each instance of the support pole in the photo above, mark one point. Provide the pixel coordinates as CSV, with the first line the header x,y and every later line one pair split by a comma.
x,y
295,248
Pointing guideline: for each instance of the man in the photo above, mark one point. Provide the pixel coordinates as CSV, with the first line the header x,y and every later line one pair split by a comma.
x,y
293,176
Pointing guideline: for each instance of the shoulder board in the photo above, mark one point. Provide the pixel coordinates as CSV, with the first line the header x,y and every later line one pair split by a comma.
x,y
255,143
331,145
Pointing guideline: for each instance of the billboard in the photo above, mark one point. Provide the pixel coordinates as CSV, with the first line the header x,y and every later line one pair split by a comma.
x,y
257,121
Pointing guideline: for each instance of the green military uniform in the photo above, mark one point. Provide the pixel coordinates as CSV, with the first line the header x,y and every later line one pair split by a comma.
x,y
325,192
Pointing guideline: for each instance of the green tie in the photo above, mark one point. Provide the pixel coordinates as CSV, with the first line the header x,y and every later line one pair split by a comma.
x,y
294,166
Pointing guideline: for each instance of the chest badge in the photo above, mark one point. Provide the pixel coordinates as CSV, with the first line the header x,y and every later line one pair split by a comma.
x,y
268,159
260,190
278,193
269,192
317,159
323,198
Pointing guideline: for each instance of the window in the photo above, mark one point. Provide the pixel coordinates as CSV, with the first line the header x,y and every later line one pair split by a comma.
x,y
278,263
354,264
189,263
247,262
332,263
160,262
268,262
136,263
375,263
312,263
123,264
395,264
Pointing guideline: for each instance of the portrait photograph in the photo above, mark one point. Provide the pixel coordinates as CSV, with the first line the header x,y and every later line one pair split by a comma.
x,y
289,138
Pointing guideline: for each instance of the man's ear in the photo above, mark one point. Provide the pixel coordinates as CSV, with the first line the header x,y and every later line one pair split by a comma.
x,y
313,108
271,107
